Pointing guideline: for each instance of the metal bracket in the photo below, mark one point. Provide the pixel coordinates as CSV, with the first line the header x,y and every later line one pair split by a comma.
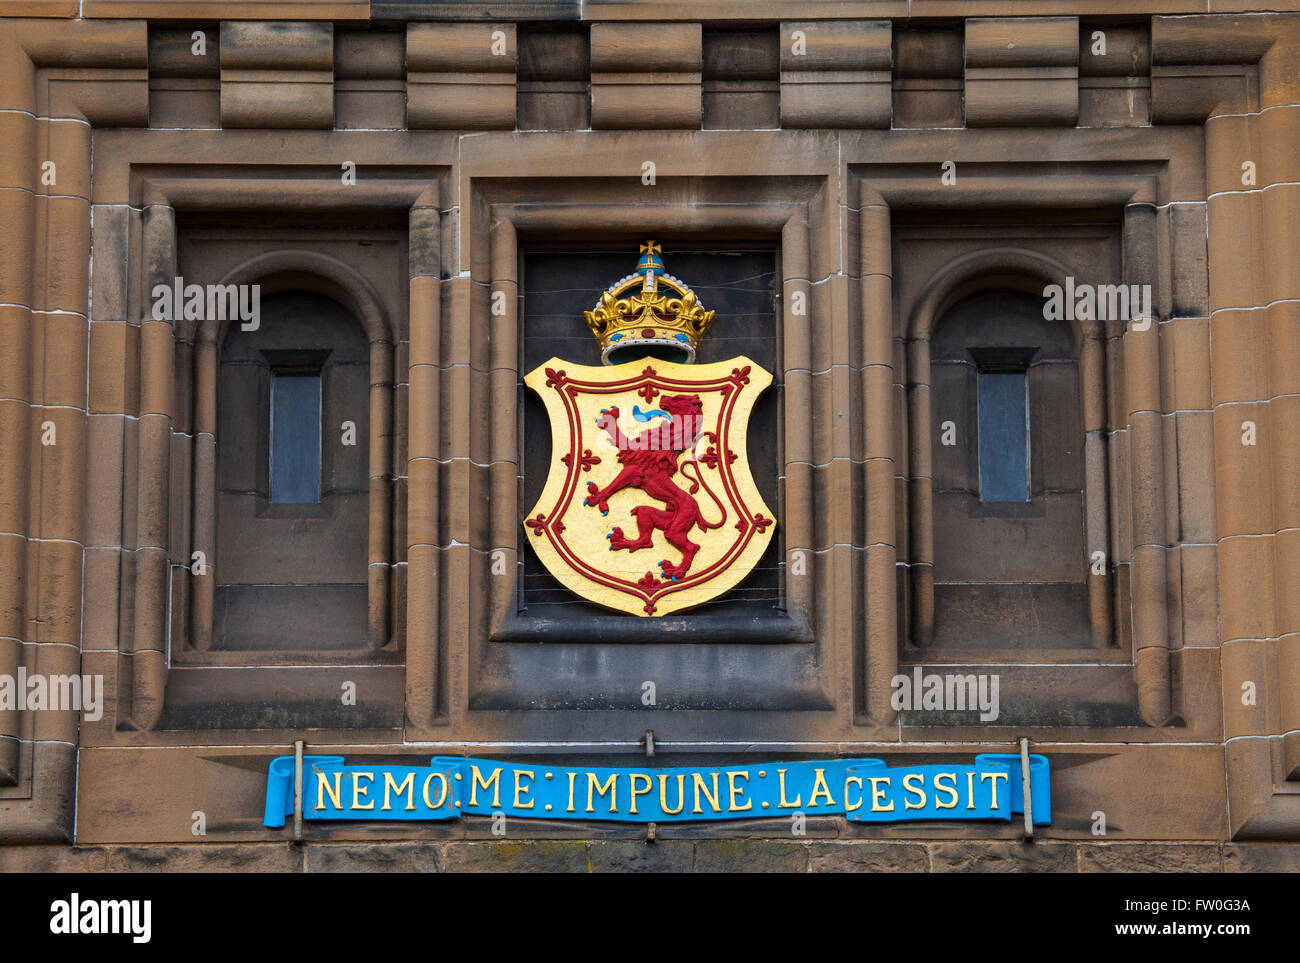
x,y
297,791
648,740
1027,790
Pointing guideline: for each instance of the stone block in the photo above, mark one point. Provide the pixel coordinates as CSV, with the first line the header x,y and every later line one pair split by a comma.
x,y
53,859
750,856
637,856
1022,71
867,856
646,76
206,858
998,856
277,75
540,856
927,77
836,73
1150,858
388,857
1261,858
460,76
369,80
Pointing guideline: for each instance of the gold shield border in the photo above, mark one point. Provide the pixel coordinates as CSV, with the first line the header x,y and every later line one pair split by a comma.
x,y
567,437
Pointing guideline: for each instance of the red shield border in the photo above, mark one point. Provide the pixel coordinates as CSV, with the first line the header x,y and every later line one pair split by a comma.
x,y
743,379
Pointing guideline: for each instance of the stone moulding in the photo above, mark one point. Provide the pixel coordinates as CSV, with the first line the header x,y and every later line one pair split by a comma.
x,y
58,80
1133,194
646,75
782,217
274,272
162,193
461,76
842,80
1029,271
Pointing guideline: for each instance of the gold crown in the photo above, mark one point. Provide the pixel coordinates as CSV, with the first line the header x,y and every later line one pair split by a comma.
x,y
652,321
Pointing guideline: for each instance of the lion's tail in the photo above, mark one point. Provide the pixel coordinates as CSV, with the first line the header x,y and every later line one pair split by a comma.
x,y
698,479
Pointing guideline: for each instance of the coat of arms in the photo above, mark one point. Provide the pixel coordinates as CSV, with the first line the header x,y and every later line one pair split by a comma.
x,y
649,506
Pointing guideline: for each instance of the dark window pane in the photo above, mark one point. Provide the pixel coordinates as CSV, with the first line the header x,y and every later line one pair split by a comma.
x,y
1004,436
295,438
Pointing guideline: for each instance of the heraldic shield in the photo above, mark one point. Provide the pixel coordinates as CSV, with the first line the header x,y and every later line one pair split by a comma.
x,y
649,507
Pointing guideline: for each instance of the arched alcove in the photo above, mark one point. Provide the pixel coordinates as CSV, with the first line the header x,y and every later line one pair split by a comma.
x,y
292,489
1003,544
1008,475
320,320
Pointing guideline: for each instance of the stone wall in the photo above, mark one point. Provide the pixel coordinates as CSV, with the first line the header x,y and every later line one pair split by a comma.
x,y
893,158
663,856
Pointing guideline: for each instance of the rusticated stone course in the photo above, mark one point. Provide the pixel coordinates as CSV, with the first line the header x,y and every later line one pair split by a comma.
x,y
663,856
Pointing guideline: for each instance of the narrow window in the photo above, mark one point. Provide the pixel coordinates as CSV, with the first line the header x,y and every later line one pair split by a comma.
x,y
295,438
1004,435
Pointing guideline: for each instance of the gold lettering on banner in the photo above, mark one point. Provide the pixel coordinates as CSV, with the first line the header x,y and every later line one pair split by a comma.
x,y
820,789
878,794
323,789
910,785
950,789
522,788
442,796
782,803
476,780
407,786
847,780
649,785
357,791
663,794
970,789
734,791
993,790
572,777
610,786
698,783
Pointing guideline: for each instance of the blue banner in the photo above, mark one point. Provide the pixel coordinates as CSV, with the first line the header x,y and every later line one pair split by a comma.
x,y
862,790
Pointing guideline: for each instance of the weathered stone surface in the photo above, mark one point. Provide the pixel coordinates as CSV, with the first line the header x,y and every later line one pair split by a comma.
x,y
53,859
1261,858
635,856
1151,858
548,856
1022,71
461,75
750,856
1002,857
646,75
840,77
390,857
277,75
867,856
663,856
206,858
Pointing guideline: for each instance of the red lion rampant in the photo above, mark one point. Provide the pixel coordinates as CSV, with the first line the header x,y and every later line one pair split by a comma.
x,y
649,461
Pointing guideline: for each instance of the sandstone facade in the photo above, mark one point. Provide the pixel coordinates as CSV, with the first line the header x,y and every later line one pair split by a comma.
x,y
893,161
